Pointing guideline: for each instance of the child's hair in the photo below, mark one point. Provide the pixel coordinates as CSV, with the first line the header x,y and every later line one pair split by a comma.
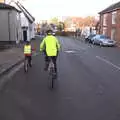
x,y
27,42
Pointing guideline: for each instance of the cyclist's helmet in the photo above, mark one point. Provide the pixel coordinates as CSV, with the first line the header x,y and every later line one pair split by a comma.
x,y
49,32
27,42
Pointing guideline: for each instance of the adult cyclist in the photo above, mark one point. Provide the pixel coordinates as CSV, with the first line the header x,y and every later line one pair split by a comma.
x,y
50,46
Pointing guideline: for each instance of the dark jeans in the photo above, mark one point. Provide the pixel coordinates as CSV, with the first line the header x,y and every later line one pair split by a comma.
x,y
29,60
47,61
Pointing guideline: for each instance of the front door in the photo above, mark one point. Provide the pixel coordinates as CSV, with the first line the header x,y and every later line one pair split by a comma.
x,y
25,35
113,33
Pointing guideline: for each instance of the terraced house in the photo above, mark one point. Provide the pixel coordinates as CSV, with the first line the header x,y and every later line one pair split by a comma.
x,y
110,22
10,27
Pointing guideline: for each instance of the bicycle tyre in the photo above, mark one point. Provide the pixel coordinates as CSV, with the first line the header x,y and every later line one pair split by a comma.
x,y
51,78
26,65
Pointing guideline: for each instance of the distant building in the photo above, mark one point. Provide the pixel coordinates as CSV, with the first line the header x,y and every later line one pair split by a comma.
x,y
2,1
37,27
71,28
72,23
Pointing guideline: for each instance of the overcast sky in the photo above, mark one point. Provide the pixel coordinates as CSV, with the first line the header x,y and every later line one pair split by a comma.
x,y
44,9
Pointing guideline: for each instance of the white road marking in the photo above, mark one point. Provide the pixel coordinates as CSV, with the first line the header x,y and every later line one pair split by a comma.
x,y
108,62
69,51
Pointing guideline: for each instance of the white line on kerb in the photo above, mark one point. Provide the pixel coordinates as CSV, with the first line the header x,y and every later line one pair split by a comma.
x,y
9,75
108,62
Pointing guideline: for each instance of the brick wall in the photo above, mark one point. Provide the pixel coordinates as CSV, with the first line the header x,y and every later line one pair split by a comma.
x,y
111,26
101,24
118,27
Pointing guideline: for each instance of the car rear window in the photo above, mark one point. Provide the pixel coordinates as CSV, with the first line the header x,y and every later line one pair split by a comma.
x,y
104,37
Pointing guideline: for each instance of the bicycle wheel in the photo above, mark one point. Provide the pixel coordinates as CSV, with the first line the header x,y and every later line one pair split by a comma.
x,y
51,77
26,65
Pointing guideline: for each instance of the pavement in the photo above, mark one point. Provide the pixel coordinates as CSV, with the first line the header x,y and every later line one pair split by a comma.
x,y
9,58
88,86
12,56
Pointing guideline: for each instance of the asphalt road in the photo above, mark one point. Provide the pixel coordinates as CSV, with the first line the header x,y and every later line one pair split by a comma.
x,y
88,86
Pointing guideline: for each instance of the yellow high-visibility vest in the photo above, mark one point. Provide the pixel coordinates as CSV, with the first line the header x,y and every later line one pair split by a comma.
x,y
51,45
27,49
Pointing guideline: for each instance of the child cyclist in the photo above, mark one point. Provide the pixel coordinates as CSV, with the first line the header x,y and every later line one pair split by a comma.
x,y
28,52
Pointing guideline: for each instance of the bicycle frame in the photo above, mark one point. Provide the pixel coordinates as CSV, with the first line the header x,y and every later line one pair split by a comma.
x,y
52,76
26,65
51,65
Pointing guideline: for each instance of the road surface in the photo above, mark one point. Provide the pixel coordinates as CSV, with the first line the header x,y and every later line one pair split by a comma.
x,y
88,86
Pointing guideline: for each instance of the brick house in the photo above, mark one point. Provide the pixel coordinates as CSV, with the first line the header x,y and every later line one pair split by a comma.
x,y
110,22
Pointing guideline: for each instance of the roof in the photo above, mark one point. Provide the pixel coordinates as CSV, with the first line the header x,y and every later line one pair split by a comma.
x,y
25,12
8,7
111,8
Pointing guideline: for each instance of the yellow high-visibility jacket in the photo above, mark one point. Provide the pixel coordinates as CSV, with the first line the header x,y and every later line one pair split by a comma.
x,y
51,45
27,49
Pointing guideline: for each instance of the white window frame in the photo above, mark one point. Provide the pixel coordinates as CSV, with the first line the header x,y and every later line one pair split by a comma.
x,y
18,16
113,32
114,16
105,19
104,30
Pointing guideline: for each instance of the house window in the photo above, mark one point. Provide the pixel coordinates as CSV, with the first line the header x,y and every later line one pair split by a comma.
x,y
17,16
113,32
105,19
30,27
114,15
104,31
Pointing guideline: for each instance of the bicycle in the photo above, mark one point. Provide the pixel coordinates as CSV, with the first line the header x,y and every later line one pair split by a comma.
x,y
26,61
52,73
26,64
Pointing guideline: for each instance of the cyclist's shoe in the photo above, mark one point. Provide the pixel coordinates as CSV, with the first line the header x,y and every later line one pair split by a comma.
x,y
30,64
56,70
55,74
46,66
45,69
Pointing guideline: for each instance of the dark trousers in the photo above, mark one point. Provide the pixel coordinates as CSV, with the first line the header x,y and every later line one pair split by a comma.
x,y
29,60
47,61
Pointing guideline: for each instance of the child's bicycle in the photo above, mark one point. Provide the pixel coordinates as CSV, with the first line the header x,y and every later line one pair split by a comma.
x,y
27,62
52,74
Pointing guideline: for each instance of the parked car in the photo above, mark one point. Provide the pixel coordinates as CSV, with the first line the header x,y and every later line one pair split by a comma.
x,y
53,33
88,39
103,40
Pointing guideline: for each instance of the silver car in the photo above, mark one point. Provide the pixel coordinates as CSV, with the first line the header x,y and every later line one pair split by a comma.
x,y
103,40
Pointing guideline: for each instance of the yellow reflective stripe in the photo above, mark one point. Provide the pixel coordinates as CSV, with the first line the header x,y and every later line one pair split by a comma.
x,y
27,50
